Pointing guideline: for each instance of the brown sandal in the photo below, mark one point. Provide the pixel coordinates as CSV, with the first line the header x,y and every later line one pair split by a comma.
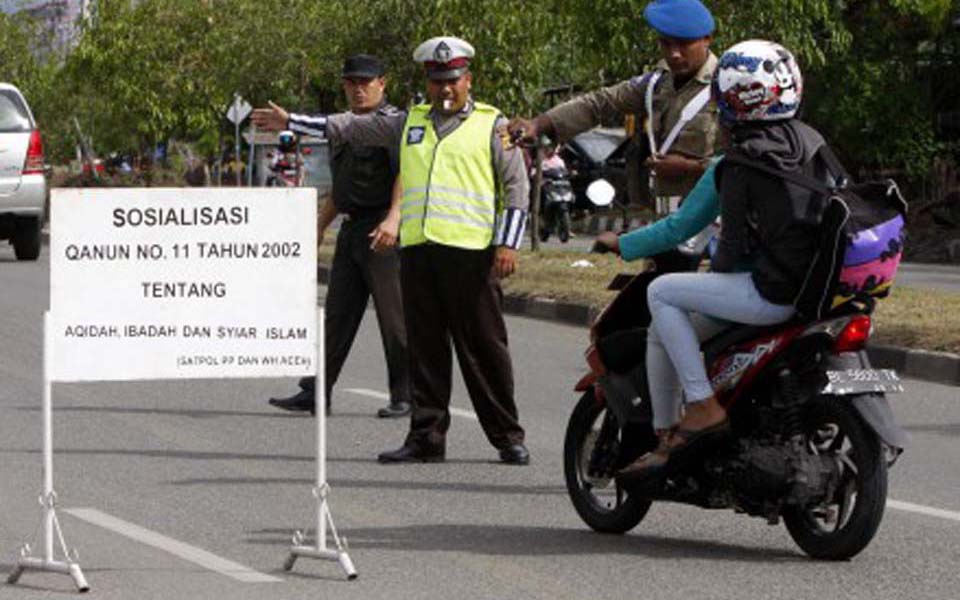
x,y
649,463
683,440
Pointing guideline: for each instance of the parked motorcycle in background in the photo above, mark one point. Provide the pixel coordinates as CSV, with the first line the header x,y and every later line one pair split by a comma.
x,y
286,164
556,199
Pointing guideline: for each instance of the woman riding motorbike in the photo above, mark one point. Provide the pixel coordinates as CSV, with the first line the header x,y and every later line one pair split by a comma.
x,y
758,89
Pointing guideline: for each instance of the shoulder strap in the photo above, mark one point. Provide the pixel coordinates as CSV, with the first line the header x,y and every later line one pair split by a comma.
x,y
689,112
648,104
792,176
834,166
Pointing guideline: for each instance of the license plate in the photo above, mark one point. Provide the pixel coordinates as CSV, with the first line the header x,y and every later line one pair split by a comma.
x,y
859,381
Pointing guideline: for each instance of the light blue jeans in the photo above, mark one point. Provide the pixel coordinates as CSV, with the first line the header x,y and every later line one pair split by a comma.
x,y
687,308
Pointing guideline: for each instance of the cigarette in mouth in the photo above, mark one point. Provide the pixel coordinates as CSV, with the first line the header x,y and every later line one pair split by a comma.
x,y
447,104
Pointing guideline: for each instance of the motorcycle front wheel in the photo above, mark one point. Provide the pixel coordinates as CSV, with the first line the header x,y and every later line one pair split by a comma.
x,y
600,502
843,526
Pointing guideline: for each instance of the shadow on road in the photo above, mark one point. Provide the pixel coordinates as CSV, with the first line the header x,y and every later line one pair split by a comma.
x,y
208,455
386,484
512,540
268,412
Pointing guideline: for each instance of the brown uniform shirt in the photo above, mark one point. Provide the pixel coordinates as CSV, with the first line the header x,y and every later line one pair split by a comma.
x,y
698,139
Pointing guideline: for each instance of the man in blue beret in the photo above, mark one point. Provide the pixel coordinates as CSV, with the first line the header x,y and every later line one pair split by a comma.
x,y
673,100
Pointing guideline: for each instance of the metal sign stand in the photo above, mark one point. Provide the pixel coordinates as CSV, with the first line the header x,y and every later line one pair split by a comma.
x,y
51,525
322,490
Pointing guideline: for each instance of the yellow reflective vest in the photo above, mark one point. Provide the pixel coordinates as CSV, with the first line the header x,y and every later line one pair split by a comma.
x,y
449,187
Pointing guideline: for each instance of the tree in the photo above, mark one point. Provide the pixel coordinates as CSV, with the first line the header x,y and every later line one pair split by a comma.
x,y
876,71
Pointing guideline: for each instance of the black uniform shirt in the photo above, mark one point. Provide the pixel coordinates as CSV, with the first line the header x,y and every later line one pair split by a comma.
x,y
363,176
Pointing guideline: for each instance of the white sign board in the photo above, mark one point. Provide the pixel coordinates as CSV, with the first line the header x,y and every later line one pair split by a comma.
x,y
239,110
182,283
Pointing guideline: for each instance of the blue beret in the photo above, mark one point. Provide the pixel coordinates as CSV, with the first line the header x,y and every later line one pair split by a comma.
x,y
684,19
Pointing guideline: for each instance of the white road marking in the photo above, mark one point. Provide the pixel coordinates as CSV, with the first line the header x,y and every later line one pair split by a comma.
x,y
459,412
924,510
187,552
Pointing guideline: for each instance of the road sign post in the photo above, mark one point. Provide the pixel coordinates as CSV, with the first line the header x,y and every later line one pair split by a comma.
x,y
322,490
237,112
51,524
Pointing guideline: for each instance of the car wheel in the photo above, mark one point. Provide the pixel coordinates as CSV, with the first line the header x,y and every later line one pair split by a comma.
x,y
26,239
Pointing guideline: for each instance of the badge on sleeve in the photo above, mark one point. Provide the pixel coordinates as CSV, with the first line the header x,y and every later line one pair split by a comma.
x,y
506,140
415,135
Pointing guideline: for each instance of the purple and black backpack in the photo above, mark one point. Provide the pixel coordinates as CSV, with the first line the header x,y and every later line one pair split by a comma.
x,y
862,228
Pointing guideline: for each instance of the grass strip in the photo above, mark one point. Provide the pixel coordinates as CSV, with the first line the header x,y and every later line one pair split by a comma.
x,y
910,317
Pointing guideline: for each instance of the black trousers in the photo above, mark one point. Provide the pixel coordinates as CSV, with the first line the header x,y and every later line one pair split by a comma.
x,y
357,273
450,294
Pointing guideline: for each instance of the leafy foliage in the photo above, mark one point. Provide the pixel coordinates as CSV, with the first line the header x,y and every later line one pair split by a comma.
x,y
877,71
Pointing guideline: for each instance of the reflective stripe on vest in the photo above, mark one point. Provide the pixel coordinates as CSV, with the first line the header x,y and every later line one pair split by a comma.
x,y
449,188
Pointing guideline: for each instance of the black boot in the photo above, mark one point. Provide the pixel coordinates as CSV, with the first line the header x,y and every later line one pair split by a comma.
x,y
302,401
394,410
412,453
515,454
309,384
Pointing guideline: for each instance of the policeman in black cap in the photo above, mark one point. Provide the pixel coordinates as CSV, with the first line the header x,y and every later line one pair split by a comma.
x,y
674,100
365,261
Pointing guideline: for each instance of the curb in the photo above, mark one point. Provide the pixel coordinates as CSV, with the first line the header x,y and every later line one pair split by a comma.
x,y
926,365
597,223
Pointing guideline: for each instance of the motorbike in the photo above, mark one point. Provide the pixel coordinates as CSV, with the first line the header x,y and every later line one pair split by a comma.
x,y
812,433
286,164
286,170
556,204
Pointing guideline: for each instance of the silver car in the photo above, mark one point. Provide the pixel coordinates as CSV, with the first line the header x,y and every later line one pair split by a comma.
x,y
23,182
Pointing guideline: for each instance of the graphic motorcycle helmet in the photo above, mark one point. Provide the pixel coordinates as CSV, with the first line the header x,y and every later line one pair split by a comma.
x,y
287,141
757,80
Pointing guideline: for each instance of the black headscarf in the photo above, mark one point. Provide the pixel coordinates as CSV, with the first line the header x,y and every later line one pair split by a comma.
x,y
785,145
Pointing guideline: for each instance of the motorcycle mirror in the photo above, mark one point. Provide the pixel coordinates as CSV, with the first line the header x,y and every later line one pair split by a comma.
x,y
601,193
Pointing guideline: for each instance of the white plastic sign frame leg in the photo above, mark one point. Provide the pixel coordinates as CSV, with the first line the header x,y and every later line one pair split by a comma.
x,y
322,490
51,525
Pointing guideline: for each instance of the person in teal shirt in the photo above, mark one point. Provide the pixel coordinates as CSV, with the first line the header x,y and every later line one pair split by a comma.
x,y
700,209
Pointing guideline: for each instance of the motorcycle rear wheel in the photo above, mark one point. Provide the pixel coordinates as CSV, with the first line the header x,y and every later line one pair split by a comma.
x,y
854,514
601,503
563,226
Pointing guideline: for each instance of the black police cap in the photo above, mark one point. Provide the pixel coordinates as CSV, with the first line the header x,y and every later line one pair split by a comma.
x,y
363,65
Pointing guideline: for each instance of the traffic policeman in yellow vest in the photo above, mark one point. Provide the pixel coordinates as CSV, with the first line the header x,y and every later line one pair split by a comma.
x,y
681,131
463,215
